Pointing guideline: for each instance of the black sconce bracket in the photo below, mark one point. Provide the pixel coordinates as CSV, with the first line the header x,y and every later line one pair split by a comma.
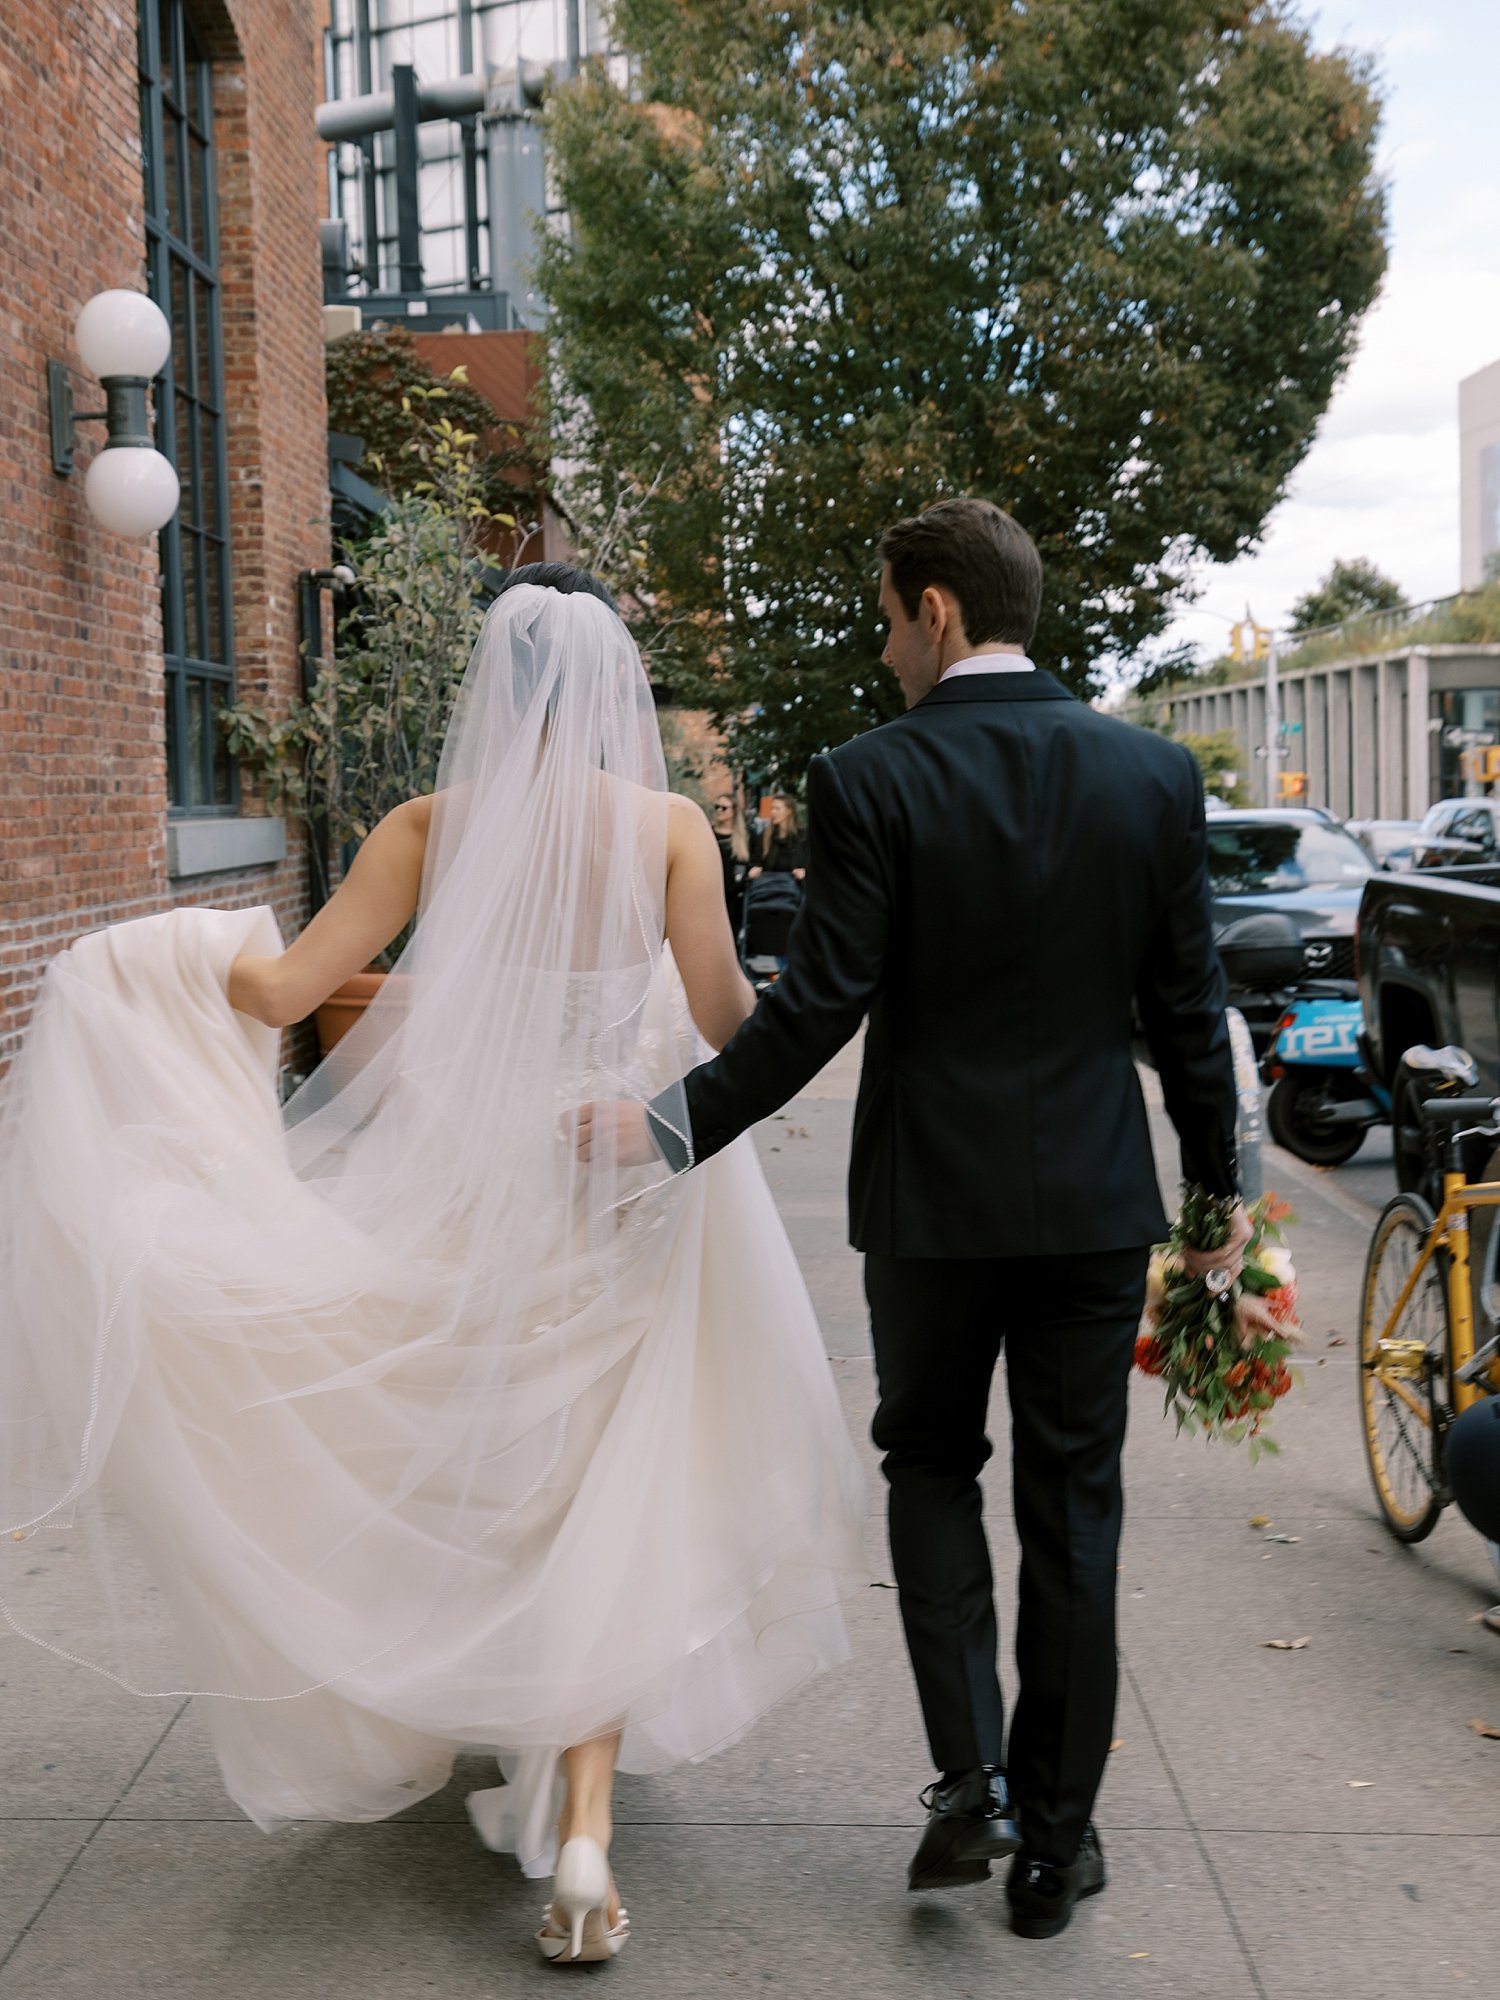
x,y
125,413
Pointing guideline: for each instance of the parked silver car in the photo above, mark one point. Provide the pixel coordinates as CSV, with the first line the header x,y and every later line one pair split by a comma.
x,y
1390,843
1457,833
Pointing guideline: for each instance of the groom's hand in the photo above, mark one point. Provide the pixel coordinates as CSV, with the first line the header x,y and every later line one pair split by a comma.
x,y
1230,1255
616,1129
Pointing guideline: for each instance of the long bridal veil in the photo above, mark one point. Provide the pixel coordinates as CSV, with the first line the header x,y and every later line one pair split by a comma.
x,y
430,1434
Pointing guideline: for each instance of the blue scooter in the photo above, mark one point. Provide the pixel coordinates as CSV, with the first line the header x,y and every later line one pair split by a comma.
x,y
1323,1096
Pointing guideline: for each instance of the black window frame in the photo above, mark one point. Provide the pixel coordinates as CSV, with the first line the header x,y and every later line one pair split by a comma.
x,y
182,275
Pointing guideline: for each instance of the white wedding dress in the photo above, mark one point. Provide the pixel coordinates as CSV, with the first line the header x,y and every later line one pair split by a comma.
x,y
427,1435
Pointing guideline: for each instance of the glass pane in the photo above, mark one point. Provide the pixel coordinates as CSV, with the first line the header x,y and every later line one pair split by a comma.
x,y
148,162
172,166
217,650
167,12
208,474
222,773
174,789
199,191
197,715
192,603
182,331
203,319
182,458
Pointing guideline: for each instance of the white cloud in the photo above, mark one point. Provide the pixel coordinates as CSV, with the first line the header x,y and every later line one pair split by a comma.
x,y
1381,480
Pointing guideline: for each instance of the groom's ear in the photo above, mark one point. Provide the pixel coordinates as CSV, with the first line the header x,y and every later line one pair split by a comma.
x,y
940,615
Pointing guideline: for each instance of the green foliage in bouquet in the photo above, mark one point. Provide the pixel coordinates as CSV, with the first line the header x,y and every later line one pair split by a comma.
x,y
1224,1369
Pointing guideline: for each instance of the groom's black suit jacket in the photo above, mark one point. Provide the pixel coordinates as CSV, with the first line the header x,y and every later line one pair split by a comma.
x,y
994,878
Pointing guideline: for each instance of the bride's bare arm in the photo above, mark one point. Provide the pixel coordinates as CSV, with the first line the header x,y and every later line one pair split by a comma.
x,y
720,997
369,907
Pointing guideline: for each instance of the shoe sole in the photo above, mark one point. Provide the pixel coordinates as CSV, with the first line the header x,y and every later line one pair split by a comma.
x,y
963,1874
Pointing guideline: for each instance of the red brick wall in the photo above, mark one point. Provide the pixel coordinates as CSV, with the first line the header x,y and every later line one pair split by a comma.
x,y
83,808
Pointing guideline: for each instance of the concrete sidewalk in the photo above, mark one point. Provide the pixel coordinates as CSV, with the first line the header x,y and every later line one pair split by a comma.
x,y
1276,1823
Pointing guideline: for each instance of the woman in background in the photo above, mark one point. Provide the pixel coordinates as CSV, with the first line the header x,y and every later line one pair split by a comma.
x,y
783,844
733,837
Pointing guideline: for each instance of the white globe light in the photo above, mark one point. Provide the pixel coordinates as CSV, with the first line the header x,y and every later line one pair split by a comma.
x,y
123,333
131,489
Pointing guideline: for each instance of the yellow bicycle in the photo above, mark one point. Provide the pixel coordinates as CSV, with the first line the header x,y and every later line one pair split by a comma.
x,y
1419,1368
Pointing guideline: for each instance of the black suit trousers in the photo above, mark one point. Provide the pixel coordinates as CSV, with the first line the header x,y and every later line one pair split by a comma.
x,y
1068,1327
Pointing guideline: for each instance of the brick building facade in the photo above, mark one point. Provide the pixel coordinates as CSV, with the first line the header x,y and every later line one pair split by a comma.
x,y
94,826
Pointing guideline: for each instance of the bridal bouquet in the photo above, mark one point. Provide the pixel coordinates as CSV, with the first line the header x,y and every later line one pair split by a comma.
x,y
1222,1354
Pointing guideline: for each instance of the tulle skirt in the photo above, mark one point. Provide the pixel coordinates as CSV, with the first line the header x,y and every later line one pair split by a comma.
x,y
400,1498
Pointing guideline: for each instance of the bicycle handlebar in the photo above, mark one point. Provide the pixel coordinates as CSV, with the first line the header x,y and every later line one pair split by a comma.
x,y
1459,1110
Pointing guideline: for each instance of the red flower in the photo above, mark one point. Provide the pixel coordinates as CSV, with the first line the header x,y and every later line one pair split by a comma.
x,y
1150,1354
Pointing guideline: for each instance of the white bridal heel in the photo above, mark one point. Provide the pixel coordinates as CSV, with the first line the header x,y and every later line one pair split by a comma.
x,y
576,1930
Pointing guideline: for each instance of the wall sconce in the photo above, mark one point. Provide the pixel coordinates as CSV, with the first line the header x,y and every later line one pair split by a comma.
x,y
124,339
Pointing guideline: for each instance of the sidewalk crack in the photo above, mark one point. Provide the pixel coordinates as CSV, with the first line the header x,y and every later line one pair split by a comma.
x,y
119,1799
1192,1825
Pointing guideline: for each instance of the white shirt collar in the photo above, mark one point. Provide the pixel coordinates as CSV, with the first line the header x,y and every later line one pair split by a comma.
x,y
989,663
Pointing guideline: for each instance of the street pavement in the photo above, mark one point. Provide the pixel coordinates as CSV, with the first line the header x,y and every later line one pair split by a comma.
x,y
1276,1823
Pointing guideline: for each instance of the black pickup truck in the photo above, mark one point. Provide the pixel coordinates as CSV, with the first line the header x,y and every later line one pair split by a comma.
x,y
1428,949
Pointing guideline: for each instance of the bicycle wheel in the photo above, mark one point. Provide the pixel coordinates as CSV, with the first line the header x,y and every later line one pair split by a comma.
x,y
1403,1374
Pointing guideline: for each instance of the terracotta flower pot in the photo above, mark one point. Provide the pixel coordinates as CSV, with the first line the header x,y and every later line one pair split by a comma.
x,y
344,1006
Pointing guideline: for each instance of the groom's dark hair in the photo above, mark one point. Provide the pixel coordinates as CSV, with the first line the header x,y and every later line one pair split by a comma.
x,y
975,550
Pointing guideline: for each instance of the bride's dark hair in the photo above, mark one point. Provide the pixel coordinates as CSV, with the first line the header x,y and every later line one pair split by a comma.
x,y
562,577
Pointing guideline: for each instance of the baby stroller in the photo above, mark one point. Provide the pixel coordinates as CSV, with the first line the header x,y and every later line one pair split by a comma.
x,y
767,914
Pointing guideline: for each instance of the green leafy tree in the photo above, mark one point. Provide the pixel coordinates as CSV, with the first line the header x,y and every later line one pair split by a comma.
x,y
380,390
1221,759
369,733
1350,590
1099,260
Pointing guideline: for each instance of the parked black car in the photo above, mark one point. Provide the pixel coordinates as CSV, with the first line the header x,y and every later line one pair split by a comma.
x,y
1293,863
1429,977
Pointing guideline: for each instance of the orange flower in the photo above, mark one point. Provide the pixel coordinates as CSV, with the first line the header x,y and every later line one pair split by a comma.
x,y
1150,1354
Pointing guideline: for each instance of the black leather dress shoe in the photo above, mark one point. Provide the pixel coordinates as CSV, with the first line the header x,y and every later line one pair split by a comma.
x,y
1042,1895
969,1824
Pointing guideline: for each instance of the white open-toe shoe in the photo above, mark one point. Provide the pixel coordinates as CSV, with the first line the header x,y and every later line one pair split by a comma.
x,y
576,1928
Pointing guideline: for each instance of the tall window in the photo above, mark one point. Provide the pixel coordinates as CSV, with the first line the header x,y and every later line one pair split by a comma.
x,y
182,271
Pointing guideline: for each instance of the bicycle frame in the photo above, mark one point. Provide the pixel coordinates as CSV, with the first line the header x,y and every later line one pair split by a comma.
x,y
1450,1232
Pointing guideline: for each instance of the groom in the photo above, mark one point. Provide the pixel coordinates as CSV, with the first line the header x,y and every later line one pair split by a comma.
x,y
994,879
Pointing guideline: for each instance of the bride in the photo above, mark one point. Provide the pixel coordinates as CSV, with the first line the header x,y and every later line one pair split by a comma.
x,y
430,1436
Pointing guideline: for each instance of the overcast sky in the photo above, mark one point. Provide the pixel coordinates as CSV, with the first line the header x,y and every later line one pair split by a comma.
x,y
1381,479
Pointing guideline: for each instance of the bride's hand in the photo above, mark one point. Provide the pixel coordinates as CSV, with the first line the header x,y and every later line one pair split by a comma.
x,y
1254,1320
617,1130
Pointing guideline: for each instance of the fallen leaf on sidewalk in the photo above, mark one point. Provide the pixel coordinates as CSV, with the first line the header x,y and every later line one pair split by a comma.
x,y
1337,1340
1285,1645
1484,1729
1140,1954
1260,1520
1119,1742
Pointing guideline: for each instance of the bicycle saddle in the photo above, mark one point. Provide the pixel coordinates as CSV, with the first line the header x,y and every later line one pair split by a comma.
x,y
1449,1065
